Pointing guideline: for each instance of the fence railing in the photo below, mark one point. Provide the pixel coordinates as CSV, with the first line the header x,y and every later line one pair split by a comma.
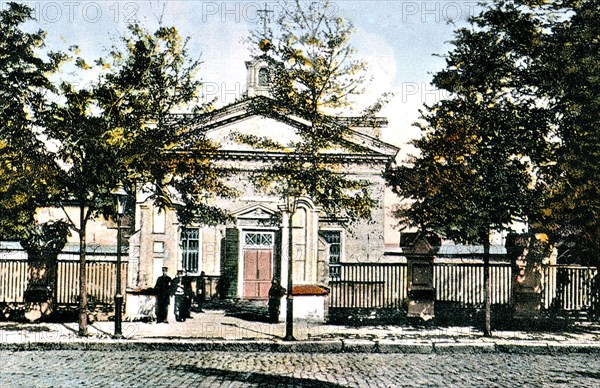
x,y
381,285
14,275
570,287
359,285
101,278
101,281
462,283
362,285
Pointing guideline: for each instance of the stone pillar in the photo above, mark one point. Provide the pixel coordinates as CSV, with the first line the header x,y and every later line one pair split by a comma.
x,y
527,253
43,246
41,287
285,238
421,293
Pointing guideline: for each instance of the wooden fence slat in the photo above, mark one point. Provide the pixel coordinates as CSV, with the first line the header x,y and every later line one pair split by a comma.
x,y
14,276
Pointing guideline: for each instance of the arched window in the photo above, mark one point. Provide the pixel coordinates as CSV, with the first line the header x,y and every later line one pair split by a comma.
x,y
263,76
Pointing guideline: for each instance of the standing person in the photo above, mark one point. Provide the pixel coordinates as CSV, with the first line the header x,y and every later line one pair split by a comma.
x,y
163,296
275,294
178,288
201,291
189,296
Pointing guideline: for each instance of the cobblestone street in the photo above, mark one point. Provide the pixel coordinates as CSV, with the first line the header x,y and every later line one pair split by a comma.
x,y
239,369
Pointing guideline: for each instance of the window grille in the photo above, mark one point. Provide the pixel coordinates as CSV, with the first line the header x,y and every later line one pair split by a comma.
x,y
333,238
259,239
190,240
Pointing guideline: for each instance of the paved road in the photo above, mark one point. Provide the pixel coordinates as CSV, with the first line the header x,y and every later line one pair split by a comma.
x,y
218,369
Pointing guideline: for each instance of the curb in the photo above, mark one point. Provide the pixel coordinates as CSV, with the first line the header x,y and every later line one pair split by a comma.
x,y
457,347
330,346
523,348
387,346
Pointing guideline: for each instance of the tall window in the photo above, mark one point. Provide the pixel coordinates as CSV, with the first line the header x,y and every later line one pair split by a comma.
x,y
190,241
333,238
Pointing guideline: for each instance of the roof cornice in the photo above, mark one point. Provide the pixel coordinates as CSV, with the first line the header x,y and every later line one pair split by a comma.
x,y
267,107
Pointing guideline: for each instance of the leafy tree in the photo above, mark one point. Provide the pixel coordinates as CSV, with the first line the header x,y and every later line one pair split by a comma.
x,y
123,130
23,84
151,99
562,75
480,147
569,79
314,76
316,73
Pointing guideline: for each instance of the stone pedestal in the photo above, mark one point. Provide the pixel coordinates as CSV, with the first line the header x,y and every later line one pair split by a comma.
x,y
39,295
140,305
527,253
421,293
527,289
310,303
527,304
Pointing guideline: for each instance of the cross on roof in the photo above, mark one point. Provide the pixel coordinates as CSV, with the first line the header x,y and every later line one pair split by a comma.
x,y
264,16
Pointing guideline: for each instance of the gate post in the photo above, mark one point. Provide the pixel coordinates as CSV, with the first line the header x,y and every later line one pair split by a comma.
x,y
526,253
43,244
421,292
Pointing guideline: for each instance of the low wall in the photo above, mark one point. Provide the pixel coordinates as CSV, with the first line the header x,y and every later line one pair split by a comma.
x,y
140,305
310,303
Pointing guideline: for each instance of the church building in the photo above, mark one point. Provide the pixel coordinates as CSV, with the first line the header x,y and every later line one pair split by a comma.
x,y
251,251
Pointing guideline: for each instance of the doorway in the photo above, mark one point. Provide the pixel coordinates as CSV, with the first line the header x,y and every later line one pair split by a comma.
x,y
258,264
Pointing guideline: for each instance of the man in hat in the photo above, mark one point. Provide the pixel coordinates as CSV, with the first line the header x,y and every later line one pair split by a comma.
x,y
182,291
163,295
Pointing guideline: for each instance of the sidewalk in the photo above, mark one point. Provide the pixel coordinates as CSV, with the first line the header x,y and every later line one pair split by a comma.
x,y
214,330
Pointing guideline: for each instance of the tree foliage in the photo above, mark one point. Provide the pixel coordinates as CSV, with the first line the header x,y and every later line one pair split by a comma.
x,y
311,44
530,71
125,129
314,76
23,84
150,100
518,137
569,78
480,146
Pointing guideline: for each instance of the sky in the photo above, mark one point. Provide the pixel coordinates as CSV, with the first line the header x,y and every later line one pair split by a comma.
x,y
397,38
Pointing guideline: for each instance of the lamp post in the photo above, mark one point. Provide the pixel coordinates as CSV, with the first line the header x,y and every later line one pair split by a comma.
x,y
290,201
120,195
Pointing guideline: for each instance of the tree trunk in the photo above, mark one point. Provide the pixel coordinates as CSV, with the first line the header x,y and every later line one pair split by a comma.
x,y
83,329
487,329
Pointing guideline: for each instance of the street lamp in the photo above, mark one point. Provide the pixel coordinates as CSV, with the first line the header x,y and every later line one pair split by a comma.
x,y
291,202
120,197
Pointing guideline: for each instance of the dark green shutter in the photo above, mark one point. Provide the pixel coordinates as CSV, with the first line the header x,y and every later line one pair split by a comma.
x,y
229,264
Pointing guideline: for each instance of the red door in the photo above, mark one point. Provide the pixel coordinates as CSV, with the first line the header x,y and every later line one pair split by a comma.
x,y
258,264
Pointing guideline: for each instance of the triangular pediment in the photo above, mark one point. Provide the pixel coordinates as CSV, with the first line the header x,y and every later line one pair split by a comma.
x,y
260,117
255,212
257,126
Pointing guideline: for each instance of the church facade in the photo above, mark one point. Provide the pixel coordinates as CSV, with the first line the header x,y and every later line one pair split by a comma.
x,y
252,250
